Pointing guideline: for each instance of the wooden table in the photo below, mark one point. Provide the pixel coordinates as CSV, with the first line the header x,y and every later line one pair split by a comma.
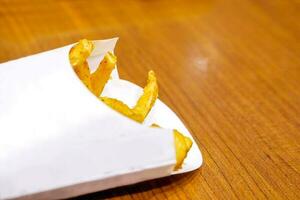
x,y
230,69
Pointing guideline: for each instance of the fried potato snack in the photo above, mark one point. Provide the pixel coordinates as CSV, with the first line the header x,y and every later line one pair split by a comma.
x,y
118,106
143,106
78,55
183,145
96,81
100,77
148,98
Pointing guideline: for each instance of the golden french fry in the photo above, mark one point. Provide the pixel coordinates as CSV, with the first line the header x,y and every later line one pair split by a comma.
x,y
80,52
183,145
78,55
100,77
148,98
121,108
118,106
143,105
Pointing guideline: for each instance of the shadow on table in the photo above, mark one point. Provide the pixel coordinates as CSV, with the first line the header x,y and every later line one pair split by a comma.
x,y
135,188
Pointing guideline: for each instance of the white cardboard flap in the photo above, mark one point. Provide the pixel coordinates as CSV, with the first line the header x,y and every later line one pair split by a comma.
x,y
57,140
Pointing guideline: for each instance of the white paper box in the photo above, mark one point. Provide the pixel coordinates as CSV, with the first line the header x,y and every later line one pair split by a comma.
x,y
57,140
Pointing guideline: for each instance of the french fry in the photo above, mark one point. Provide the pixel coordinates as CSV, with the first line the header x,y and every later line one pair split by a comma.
x,y
96,81
148,98
143,105
100,77
118,106
183,145
77,56
80,52
121,108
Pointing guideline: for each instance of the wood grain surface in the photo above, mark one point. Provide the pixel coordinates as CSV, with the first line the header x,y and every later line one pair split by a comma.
x,y
230,69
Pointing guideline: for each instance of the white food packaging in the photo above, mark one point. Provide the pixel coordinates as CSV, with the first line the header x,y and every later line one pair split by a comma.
x,y
57,140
